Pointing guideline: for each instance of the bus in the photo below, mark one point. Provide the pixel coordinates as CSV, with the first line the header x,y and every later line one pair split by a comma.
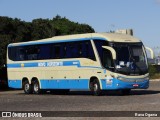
x,y
91,61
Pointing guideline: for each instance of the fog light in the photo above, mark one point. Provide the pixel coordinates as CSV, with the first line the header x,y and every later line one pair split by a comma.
x,y
120,78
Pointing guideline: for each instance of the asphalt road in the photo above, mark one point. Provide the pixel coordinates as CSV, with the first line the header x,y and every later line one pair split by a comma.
x,y
139,100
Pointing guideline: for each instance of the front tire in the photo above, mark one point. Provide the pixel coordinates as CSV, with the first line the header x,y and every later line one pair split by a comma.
x,y
95,87
27,87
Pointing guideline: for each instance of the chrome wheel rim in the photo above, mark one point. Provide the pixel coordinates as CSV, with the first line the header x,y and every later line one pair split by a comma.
x,y
36,87
95,87
26,87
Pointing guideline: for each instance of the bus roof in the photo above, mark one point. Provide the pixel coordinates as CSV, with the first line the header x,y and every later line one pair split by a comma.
x,y
112,37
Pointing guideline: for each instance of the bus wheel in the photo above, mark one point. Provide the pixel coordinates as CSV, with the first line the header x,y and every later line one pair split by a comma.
x,y
27,87
126,91
95,87
36,88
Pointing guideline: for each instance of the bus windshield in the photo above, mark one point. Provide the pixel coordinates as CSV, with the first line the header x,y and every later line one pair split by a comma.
x,y
131,58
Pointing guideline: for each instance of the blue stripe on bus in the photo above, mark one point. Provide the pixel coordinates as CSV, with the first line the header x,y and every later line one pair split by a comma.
x,y
55,41
55,84
45,64
65,84
49,64
15,84
82,84
19,65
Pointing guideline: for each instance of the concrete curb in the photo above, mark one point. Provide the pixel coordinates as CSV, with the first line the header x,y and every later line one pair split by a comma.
x,y
155,80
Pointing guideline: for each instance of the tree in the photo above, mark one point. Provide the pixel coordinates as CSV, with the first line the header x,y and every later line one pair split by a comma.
x,y
64,26
15,30
42,28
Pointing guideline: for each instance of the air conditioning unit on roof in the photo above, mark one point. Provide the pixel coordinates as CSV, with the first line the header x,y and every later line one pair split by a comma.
x,y
125,31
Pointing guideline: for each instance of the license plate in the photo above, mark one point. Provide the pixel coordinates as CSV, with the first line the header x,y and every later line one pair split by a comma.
x,y
135,85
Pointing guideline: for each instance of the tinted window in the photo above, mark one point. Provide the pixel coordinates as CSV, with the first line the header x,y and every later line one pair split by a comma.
x,y
78,49
12,53
82,49
44,52
32,52
99,44
56,51
21,54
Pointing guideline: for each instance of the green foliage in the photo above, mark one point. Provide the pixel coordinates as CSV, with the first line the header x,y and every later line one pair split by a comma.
x,y
153,72
64,26
42,28
15,30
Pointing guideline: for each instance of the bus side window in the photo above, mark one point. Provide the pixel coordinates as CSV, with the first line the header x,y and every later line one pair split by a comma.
x,y
56,52
91,54
99,44
79,46
87,50
64,50
12,51
69,47
32,52
21,54
44,52
75,50
71,50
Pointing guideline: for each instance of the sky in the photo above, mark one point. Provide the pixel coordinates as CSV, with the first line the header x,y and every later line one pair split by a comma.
x,y
143,16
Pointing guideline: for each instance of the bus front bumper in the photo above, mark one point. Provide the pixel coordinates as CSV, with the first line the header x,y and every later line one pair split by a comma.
x,y
116,84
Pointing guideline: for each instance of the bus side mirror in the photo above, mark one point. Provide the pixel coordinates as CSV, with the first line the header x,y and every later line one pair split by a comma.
x,y
151,52
112,51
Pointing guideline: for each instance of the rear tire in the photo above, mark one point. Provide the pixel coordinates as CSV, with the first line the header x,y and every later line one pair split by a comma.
x,y
27,87
36,87
95,87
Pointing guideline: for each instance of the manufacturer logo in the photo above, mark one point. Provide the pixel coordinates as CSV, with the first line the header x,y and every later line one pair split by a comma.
x,y
6,114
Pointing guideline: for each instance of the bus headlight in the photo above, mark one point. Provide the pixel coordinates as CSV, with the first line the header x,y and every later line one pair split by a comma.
x,y
120,78
146,78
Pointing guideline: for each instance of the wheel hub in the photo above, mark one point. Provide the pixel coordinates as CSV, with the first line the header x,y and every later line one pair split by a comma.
x,y
95,87
26,87
35,87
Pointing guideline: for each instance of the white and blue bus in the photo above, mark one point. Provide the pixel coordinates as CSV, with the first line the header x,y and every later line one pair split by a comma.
x,y
92,61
